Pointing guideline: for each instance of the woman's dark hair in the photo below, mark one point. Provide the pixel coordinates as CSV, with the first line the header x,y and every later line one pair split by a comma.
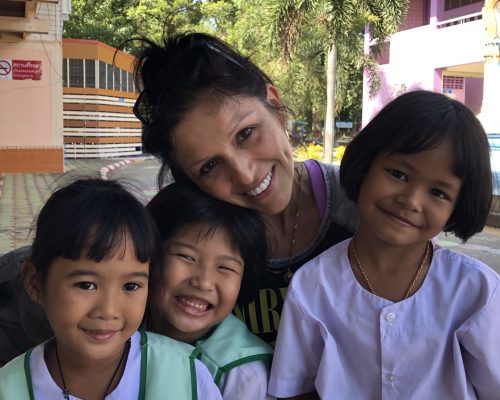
x,y
181,204
92,218
417,121
172,77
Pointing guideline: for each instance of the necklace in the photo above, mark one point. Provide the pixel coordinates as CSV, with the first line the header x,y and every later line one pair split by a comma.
x,y
289,274
415,277
66,391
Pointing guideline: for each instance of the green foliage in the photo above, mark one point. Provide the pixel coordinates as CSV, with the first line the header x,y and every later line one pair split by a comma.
x,y
288,39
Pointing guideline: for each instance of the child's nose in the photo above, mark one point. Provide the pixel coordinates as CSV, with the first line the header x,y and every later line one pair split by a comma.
x,y
411,199
107,306
203,280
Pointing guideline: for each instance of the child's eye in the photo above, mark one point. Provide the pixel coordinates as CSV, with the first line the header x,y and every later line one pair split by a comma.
x,y
225,268
438,193
86,285
397,174
244,134
131,287
186,257
207,167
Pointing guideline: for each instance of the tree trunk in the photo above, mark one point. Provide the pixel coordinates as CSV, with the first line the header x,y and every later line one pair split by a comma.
x,y
329,137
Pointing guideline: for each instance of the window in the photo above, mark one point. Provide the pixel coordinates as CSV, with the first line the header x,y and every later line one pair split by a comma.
x,y
110,77
90,73
451,4
65,71
102,75
130,82
453,82
75,73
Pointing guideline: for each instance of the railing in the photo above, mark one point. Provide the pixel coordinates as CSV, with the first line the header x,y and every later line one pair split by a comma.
x,y
459,20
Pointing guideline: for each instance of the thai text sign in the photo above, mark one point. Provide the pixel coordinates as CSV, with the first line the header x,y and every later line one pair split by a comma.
x,y
20,69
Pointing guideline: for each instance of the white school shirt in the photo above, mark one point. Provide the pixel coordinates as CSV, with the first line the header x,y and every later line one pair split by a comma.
x,y
246,382
344,342
44,387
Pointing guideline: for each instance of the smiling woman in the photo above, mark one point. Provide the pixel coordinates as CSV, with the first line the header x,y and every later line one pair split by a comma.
x,y
215,119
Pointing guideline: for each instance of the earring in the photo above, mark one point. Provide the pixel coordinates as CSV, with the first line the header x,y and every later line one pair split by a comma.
x,y
36,298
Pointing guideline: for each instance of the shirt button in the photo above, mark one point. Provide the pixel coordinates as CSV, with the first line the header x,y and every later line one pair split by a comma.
x,y
390,378
390,317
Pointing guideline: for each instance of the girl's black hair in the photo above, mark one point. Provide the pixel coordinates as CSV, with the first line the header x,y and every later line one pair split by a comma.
x,y
417,121
92,218
181,204
175,75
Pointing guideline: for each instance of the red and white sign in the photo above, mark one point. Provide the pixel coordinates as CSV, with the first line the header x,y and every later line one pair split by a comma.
x,y
20,69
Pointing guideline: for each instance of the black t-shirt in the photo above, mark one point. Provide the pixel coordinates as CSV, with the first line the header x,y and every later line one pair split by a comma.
x,y
262,316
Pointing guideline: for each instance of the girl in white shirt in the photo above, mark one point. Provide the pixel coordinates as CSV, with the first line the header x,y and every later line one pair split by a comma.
x,y
389,314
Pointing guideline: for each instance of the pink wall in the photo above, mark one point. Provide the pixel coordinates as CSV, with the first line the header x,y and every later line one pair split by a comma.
x,y
474,94
417,56
25,105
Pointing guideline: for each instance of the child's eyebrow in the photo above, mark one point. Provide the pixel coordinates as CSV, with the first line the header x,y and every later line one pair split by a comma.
x,y
231,258
83,272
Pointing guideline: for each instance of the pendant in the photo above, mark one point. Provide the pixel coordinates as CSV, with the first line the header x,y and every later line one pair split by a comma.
x,y
288,276
65,394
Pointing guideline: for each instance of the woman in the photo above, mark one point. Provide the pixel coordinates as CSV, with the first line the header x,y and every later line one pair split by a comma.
x,y
212,117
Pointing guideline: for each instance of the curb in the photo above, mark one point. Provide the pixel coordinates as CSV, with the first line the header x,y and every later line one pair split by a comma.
x,y
104,170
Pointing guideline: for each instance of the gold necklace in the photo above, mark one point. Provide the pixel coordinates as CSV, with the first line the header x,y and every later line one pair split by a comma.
x,y
415,277
289,274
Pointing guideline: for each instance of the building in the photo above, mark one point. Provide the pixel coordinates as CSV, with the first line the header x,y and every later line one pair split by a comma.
x,y
98,96
448,46
31,124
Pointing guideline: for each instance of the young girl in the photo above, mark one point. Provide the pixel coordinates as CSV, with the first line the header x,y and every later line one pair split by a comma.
x,y
95,253
214,255
389,313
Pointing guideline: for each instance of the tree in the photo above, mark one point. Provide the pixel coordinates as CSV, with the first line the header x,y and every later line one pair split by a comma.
x,y
343,22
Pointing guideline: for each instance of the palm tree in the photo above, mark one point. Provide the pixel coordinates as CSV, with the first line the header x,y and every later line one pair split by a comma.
x,y
342,22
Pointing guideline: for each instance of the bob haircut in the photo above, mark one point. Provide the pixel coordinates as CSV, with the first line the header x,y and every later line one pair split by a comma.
x,y
181,204
92,218
421,120
176,75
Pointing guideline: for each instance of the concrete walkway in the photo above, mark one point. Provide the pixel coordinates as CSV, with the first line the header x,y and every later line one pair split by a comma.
x,y
22,196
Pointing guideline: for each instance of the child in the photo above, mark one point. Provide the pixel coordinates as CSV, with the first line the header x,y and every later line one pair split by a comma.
x,y
389,313
95,253
214,253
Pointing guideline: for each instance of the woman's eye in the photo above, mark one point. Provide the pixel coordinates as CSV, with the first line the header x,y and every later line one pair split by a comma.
x,y
131,287
86,285
207,167
438,193
244,134
397,174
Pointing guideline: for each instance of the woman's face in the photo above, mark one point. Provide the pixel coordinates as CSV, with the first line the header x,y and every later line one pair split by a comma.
x,y
237,151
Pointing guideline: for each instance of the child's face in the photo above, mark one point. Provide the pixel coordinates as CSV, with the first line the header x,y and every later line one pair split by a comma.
x,y
407,199
94,307
202,282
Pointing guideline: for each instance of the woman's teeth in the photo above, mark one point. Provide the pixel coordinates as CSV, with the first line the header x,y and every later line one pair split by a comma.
x,y
263,185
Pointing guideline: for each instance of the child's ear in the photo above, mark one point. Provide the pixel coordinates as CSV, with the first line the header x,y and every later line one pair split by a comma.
x,y
31,282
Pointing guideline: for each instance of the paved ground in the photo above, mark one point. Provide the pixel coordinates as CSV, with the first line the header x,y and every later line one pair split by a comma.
x,y
24,194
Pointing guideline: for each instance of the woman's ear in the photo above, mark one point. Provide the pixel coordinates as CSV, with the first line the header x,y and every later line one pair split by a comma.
x,y
273,98
31,282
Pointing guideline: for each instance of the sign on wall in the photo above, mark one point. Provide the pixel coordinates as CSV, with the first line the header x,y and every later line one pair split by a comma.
x,y
20,69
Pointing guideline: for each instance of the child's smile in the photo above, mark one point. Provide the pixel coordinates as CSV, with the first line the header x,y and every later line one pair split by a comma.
x,y
94,307
408,198
202,281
